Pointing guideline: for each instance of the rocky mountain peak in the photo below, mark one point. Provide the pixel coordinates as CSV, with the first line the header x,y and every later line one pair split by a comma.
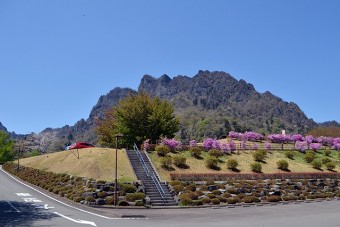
x,y
209,93
109,100
3,128
209,104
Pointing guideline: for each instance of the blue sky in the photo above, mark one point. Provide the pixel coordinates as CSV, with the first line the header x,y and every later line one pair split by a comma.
x,y
58,57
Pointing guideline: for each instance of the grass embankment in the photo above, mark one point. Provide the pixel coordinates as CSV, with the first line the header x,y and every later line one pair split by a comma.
x,y
97,163
244,158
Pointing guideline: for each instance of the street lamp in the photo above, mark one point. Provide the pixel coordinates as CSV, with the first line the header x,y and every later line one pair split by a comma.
x,y
119,135
20,147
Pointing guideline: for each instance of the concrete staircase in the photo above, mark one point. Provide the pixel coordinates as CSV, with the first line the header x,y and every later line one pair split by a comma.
x,y
157,191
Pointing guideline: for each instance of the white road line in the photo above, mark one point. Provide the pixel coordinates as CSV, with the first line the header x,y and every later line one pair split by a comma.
x,y
65,204
46,207
76,220
18,211
22,194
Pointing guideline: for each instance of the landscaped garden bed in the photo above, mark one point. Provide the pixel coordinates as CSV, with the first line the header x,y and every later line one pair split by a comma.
x,y
79,189
231,172
253,191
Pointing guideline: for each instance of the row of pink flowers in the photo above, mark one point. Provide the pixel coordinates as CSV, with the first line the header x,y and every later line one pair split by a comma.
x,y
301,143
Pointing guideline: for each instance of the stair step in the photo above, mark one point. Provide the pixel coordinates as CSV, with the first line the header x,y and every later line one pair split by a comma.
x,y
150,186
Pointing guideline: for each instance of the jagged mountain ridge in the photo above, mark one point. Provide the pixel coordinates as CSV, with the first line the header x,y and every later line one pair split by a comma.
x,y
209,105
217,97
3,128
84,130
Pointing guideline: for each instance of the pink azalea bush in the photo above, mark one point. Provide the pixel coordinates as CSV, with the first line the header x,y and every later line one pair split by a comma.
x,y
208,144
301,146
315,146
192,143
171,143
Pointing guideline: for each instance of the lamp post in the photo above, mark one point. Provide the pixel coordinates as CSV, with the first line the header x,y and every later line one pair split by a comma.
x,y
20,147
116,178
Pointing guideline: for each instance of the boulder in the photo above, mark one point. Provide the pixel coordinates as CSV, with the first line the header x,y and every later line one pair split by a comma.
x,y
100,201
141,188
212,187
98,186
105,188
148,200
90,194
277,192
299,185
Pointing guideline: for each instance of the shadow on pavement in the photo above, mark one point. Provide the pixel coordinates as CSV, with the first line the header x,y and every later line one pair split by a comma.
x,y
13,213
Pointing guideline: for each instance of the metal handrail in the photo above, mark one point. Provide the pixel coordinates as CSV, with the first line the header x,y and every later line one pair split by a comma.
x,y
139,155
153,176
158,184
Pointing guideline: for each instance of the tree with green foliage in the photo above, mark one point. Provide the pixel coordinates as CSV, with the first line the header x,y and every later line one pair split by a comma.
x,y
138,117
6,148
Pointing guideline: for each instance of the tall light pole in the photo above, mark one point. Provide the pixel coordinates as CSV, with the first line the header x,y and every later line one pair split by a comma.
x,y
20,147
116,178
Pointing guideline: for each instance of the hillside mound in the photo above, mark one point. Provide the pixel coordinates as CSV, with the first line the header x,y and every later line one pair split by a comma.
x,y
97,163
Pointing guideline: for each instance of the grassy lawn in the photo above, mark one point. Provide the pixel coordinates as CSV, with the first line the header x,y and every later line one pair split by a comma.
x,y
244,158
97,163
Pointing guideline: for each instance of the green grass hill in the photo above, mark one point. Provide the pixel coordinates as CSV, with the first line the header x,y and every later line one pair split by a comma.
x,y
97,163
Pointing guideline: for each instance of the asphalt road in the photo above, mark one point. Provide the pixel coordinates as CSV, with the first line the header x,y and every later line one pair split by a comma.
x,y
25,205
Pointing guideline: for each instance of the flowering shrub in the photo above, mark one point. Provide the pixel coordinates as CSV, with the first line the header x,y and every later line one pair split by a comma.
x,y
301,146
235,135
232,145
279,138
309,139
336,140
145,145
225,148
253,136
336,146
268,146
297,137
216,145
243,145
171,143
208,144
327,141
315,146
192,143
255,146
249,136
